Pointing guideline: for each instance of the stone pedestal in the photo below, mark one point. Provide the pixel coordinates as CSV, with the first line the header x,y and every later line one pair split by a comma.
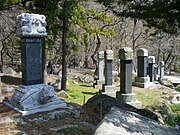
x,y
100,81
142,82
142,63
33,96
108,88
125,94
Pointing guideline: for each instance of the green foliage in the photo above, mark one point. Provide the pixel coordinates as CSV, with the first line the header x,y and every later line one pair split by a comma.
x,y
178,88
175,108
4,3
78,92
162,14
170,121
147,97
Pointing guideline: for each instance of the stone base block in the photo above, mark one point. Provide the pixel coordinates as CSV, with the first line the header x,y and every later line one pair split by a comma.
x,y
98,84
137,103
34,98
1,98
142,85
111,94
129,98
109,90
142,79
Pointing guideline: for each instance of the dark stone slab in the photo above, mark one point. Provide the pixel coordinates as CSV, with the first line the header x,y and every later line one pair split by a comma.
x,y
126,76
151,71
142,66
108,72
32,61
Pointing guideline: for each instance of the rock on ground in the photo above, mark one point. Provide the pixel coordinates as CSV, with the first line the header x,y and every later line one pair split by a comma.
x,y
99,105
87,79
120,122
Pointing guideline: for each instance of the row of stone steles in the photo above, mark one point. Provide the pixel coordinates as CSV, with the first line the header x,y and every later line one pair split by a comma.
x,y
144,78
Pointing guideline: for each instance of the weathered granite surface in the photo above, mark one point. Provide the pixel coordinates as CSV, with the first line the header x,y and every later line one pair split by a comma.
x,y
31,25
126,53
34,98
120,122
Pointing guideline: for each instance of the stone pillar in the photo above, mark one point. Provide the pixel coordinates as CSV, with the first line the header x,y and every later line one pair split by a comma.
x,y
151,63
108,88
33,96
100,81
161,71
142,62
125,94
155,72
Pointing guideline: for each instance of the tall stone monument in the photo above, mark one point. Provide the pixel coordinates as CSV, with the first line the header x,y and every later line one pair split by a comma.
x,y
100,81
151,64
108,88
125,94
33,95
161,71
142,62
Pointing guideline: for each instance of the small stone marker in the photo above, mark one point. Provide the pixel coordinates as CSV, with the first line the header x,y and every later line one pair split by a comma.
x,y
33,96
151,61
125,94
142,62
161,77
155,71
108,88
100,81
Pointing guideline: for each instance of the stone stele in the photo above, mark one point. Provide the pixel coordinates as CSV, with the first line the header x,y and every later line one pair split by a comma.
x,y
109,55
31,98
126,53
31,25
142,52
151,59
101,55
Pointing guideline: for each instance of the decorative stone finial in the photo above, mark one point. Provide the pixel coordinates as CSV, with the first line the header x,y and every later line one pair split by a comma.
x,y
162,63
31,25
126,53
151,59
142,52
101,55
109,54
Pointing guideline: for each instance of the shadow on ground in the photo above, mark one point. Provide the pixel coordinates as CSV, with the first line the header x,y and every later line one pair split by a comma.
x,y
84,85
90,93
10,80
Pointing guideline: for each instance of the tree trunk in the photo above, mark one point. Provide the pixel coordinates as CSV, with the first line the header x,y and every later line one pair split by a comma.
x,y
95,62
64,50
86,61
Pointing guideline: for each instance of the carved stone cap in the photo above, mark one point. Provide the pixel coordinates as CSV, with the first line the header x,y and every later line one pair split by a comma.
x,y
151,59
101,55
31,25
142,52
126,53
162,63
109,54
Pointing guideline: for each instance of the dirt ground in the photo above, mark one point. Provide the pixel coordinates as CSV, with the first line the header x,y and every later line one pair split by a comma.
x,y
14,128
